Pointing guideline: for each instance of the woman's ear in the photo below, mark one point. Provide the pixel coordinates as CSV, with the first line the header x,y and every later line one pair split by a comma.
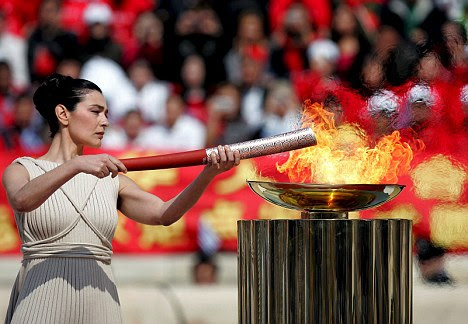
x,y
62,114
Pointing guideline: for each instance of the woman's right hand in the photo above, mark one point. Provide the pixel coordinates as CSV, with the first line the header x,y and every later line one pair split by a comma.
x,y
99,165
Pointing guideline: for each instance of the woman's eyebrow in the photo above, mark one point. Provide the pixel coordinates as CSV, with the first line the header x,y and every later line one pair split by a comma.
x,y
98,106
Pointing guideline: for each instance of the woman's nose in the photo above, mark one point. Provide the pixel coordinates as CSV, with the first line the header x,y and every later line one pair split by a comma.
x,y
105,121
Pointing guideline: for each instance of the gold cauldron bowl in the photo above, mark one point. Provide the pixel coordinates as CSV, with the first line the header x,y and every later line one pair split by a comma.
x,y
325,200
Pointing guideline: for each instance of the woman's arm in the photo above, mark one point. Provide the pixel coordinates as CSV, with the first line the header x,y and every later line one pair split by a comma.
x,y
146,208
26,195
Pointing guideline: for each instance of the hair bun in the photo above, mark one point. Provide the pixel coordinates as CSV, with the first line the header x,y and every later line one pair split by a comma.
x,y
48,94
55,81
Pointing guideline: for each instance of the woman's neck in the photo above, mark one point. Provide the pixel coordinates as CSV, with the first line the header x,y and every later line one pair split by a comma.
x,y
62,148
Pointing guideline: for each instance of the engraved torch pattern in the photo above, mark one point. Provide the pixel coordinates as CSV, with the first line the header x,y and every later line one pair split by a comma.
x,y
271,145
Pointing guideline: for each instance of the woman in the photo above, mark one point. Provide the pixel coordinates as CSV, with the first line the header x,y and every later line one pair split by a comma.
x,y
65,206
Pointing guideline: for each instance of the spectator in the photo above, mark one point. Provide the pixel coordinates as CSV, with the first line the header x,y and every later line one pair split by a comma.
x,y
323,55
71,68
368,71
225,122
199,31
205,270
193,86
422,119
232,11
352,41
454,35
383,109
13,51
8,93
249,33
290,42
254,81
319,11
431,262
148,44
387,39
421,100
27,129
178,131
128,135
372,77
126,13
282,110
151,94
319,80
98,18
422,94
430,69
400,60
418,20
49,43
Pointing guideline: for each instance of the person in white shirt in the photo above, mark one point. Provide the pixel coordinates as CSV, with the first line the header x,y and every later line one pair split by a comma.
x,y
282,109
127,134
254,79
13,50
151,94
178,132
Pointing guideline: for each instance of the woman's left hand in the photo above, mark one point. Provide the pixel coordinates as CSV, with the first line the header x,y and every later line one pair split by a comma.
x,y
223,161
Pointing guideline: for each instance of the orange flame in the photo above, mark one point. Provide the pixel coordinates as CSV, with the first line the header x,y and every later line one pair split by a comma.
x,y
343,155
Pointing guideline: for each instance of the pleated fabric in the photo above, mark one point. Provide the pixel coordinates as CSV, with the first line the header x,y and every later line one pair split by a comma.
x,y
66,274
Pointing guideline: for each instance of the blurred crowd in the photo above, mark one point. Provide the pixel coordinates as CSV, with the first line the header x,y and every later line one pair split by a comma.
x,y
188,74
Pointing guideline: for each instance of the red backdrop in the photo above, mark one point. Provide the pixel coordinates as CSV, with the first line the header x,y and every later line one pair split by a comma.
x,y
435,198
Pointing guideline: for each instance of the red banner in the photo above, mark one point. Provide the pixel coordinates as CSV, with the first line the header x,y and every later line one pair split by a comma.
x,y
435,199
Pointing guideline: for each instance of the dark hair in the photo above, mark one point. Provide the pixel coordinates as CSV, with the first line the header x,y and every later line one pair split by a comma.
x,y
204,258
427,250
58,89
5,64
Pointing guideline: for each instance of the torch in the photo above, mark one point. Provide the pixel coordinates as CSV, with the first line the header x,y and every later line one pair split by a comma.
x,y
264,146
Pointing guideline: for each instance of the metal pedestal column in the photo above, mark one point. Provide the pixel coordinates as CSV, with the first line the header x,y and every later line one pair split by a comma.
x,y
325,271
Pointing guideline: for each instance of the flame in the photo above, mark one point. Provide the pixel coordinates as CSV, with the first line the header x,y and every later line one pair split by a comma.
x,y
343,155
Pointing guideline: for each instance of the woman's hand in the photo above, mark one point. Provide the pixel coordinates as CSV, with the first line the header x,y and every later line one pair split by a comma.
x,y
223,161
99,165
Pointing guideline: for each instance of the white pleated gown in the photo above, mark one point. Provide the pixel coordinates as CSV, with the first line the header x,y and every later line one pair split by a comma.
x,y
65,276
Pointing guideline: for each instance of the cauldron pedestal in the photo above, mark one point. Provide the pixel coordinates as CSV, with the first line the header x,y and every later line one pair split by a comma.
x,y
325,271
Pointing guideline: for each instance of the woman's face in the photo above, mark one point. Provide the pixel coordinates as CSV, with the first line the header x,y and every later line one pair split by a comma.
x,y
193,71
344,21
88,122
429,68
372,74
251,28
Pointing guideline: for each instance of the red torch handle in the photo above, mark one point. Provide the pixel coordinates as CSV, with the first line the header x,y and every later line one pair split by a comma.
x,y
165,161
270,145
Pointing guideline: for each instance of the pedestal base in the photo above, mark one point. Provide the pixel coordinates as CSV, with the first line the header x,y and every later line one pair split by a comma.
x,y
325,271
